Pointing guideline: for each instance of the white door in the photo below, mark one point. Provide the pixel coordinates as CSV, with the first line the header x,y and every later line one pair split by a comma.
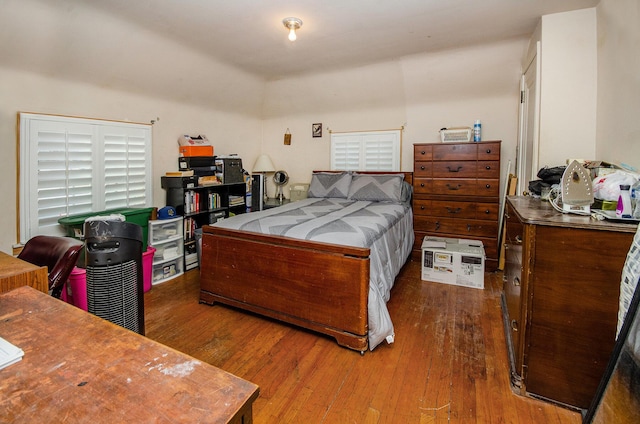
x,y
527,158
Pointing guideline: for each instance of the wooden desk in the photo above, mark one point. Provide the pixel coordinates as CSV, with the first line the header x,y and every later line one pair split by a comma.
x,y
15,273
80,368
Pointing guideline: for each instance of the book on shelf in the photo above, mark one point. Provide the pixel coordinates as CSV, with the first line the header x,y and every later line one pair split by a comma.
x,y
187,173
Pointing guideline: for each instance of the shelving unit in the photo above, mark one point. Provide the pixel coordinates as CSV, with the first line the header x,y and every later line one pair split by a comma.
x,y
201,205
166,236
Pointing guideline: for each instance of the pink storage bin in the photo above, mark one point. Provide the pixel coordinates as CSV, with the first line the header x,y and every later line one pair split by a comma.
x,y
147,268
75,289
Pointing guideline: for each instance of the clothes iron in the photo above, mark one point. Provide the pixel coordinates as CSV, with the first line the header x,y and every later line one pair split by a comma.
x,y
576,189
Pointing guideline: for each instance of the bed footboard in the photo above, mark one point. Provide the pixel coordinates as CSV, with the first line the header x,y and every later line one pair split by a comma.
x,y
318,286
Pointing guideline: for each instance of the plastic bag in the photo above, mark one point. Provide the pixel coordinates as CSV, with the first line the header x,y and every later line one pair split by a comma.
x,y
607,187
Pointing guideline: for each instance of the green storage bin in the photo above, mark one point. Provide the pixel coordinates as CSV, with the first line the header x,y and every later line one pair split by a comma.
x,y
74,224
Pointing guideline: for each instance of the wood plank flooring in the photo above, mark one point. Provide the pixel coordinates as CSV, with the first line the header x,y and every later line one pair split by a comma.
x,y
448,363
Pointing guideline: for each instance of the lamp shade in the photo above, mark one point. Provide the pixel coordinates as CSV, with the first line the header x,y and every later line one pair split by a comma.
x,y
264,164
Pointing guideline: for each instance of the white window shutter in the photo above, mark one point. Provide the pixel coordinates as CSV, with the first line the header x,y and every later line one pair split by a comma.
x,y
366,151
72,166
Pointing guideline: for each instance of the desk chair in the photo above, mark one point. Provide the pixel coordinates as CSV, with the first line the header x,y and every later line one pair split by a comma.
x,y
58,254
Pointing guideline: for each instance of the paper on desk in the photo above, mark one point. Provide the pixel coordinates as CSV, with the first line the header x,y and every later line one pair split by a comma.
x,y
9,354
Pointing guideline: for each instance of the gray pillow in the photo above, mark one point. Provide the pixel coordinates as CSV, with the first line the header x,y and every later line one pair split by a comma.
x,y
329,184
376,188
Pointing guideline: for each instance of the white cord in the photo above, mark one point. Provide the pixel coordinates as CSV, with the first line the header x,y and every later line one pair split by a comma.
x,y
554,196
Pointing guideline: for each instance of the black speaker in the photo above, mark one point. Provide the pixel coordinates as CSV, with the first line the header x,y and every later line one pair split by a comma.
x,y
115,289
257,192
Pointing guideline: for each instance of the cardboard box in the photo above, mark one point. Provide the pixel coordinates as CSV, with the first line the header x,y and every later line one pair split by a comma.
x,y
196,150
459,262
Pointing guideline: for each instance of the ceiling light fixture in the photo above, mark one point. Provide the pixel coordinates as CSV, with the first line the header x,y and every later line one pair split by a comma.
x,y
292,24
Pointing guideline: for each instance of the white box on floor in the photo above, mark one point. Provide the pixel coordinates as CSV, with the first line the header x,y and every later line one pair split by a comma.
x,y
458,262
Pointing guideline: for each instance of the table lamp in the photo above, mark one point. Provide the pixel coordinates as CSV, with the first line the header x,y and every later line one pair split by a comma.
x,y
263,165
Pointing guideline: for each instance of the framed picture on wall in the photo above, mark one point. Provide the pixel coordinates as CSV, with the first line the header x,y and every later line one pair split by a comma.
x,y
316,130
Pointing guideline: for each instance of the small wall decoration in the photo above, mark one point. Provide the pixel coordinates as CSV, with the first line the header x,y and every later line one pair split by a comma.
x,y
316,130
287,137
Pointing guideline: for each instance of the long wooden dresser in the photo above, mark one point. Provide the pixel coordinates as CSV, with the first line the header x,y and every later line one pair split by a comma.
x,y
560,299
456,190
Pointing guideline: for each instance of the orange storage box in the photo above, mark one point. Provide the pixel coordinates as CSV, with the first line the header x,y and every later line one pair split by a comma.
x,y
196,150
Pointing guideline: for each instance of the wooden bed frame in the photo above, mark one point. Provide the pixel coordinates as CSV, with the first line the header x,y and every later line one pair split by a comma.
x,y
318,286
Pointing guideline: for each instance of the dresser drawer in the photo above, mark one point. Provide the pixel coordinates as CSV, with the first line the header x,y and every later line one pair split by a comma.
x,y
448,209
460,228
465,187
421,185
455,169
488,169
467,151
422,169
489,244
422,152
489,151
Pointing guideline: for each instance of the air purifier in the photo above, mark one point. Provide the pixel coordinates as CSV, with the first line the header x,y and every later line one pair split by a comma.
x,y
115,289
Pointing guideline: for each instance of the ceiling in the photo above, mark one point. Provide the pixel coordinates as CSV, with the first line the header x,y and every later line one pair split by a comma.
x,y
335,34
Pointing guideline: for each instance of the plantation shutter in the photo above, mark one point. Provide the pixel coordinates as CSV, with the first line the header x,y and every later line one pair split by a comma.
x,y
72,166
366,151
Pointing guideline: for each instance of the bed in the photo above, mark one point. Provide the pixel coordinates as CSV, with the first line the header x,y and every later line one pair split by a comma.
x,y
326,263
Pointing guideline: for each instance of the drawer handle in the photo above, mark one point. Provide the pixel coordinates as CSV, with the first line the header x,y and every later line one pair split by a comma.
x,y
506,246
454,187
516,281
422,152
506,215
453,211
454,170
488,167
422,168
504,278
514,325
488,186
421,207
487,211
488,151
468,228
518,239
437,225
421,184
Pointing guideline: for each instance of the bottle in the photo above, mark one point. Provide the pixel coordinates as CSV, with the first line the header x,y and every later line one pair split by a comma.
x,y
623,210
477,130
635,199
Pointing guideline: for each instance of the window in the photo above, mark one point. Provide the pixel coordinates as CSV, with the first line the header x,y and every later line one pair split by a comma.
x,y
366,151
73,166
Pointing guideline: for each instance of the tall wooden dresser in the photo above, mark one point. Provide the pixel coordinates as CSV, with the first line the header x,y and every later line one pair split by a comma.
x,y
456,189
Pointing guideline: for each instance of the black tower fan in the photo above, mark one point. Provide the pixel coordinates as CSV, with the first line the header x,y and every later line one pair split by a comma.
x,y
114,272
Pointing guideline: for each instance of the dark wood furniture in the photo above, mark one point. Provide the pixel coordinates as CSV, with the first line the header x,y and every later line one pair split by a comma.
x,y
80,368
15,273
560,300
456,190
319,286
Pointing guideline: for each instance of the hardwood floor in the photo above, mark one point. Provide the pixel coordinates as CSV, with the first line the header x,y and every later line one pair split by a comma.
x,y
448,362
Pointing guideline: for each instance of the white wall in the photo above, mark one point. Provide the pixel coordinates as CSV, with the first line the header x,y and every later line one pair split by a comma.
x,y
568,87
618,122
423,93
26,92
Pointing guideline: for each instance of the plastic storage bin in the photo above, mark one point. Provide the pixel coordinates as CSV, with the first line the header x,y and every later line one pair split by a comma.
x,y
75,290
73,224
147,267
